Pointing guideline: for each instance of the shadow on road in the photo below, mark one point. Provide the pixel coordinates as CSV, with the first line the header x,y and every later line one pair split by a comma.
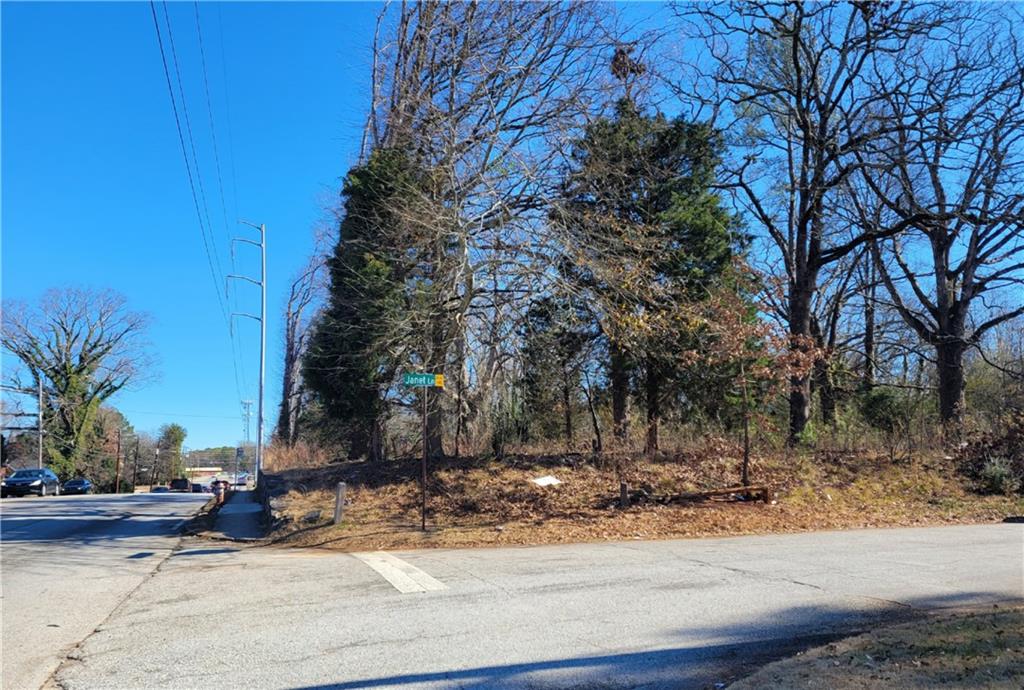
x,y
203,552
738,650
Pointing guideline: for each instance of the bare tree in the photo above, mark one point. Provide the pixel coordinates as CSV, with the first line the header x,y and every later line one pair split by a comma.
x,y
474,94
84,346
798,82
951,172
303,294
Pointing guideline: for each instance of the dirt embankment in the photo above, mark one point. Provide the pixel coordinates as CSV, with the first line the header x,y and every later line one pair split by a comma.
x,y
475,502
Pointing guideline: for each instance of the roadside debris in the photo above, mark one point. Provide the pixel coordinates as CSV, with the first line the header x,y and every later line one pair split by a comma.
x,y
546,480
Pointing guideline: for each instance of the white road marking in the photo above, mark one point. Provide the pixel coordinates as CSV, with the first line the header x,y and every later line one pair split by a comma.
x,y
405,577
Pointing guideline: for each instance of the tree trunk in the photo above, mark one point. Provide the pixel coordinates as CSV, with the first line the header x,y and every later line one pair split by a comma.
x,y
435,449
358,443
653,389
437,357
826,390
460,417
567,407
376,445
619,376
951,380
597,442
868,381
800,382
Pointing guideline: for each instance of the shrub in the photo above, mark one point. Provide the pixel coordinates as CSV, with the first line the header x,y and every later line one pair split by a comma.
x,y
883,408
996,459
997,477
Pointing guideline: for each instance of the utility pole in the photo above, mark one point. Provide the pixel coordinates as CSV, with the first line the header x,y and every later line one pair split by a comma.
x,y
38,414
135,470
247,415
262,318
117,464
39,420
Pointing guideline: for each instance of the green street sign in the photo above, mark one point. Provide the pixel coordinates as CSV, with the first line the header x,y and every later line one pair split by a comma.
x,y
423,380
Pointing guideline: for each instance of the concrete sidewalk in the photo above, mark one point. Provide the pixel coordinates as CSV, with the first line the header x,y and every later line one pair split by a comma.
x,y
239,518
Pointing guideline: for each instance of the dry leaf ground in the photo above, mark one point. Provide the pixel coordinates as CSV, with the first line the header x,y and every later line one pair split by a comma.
x,y
475,502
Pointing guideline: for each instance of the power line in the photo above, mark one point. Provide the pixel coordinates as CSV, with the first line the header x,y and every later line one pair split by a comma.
x,y
181,414
212,261
184,153
213,128
234,176
235,345
191,139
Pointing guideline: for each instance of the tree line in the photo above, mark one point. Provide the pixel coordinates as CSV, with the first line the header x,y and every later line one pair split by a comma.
x,y
79,347
579,222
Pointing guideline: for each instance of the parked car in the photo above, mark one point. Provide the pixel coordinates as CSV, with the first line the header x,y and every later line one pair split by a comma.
x,y
181,484
158,490
198,488
77,486
41,482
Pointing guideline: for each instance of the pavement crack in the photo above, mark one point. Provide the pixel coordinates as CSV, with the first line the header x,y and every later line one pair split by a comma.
x,y
76,654
754,574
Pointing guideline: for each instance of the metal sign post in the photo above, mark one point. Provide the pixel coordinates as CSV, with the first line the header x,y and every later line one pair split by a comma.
x,y
425,381
423,468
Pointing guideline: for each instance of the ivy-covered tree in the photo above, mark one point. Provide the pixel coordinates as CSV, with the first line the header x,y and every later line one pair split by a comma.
x,y
83,346
349,364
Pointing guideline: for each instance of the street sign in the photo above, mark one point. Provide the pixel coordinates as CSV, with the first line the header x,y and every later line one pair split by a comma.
x,y
421,380
239,453
414,380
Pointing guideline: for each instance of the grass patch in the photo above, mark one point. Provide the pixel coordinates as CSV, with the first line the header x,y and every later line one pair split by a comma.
x,y
976,650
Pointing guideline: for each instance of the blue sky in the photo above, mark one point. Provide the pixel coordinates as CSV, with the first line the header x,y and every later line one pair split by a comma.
x,y
94,189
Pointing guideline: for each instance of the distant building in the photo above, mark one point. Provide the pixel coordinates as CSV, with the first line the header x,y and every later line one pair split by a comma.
x,y
202,475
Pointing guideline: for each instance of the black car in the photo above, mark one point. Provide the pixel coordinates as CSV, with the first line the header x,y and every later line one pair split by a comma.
x,y
77,486
41,482
181,484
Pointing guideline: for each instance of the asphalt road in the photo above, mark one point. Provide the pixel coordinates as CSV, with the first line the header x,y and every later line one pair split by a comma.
x,y
669,614
67,562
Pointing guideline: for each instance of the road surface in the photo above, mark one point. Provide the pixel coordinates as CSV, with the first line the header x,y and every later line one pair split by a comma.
x,y
668,614
68,562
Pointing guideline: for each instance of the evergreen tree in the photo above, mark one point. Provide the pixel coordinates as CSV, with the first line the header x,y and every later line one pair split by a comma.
x,y
645,232
348,365
555,333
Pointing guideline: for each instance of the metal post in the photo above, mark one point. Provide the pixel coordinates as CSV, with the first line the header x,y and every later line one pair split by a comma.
x,y
117,464
39,431
247,414
339,502
423,467
263,350
135,470
262,318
